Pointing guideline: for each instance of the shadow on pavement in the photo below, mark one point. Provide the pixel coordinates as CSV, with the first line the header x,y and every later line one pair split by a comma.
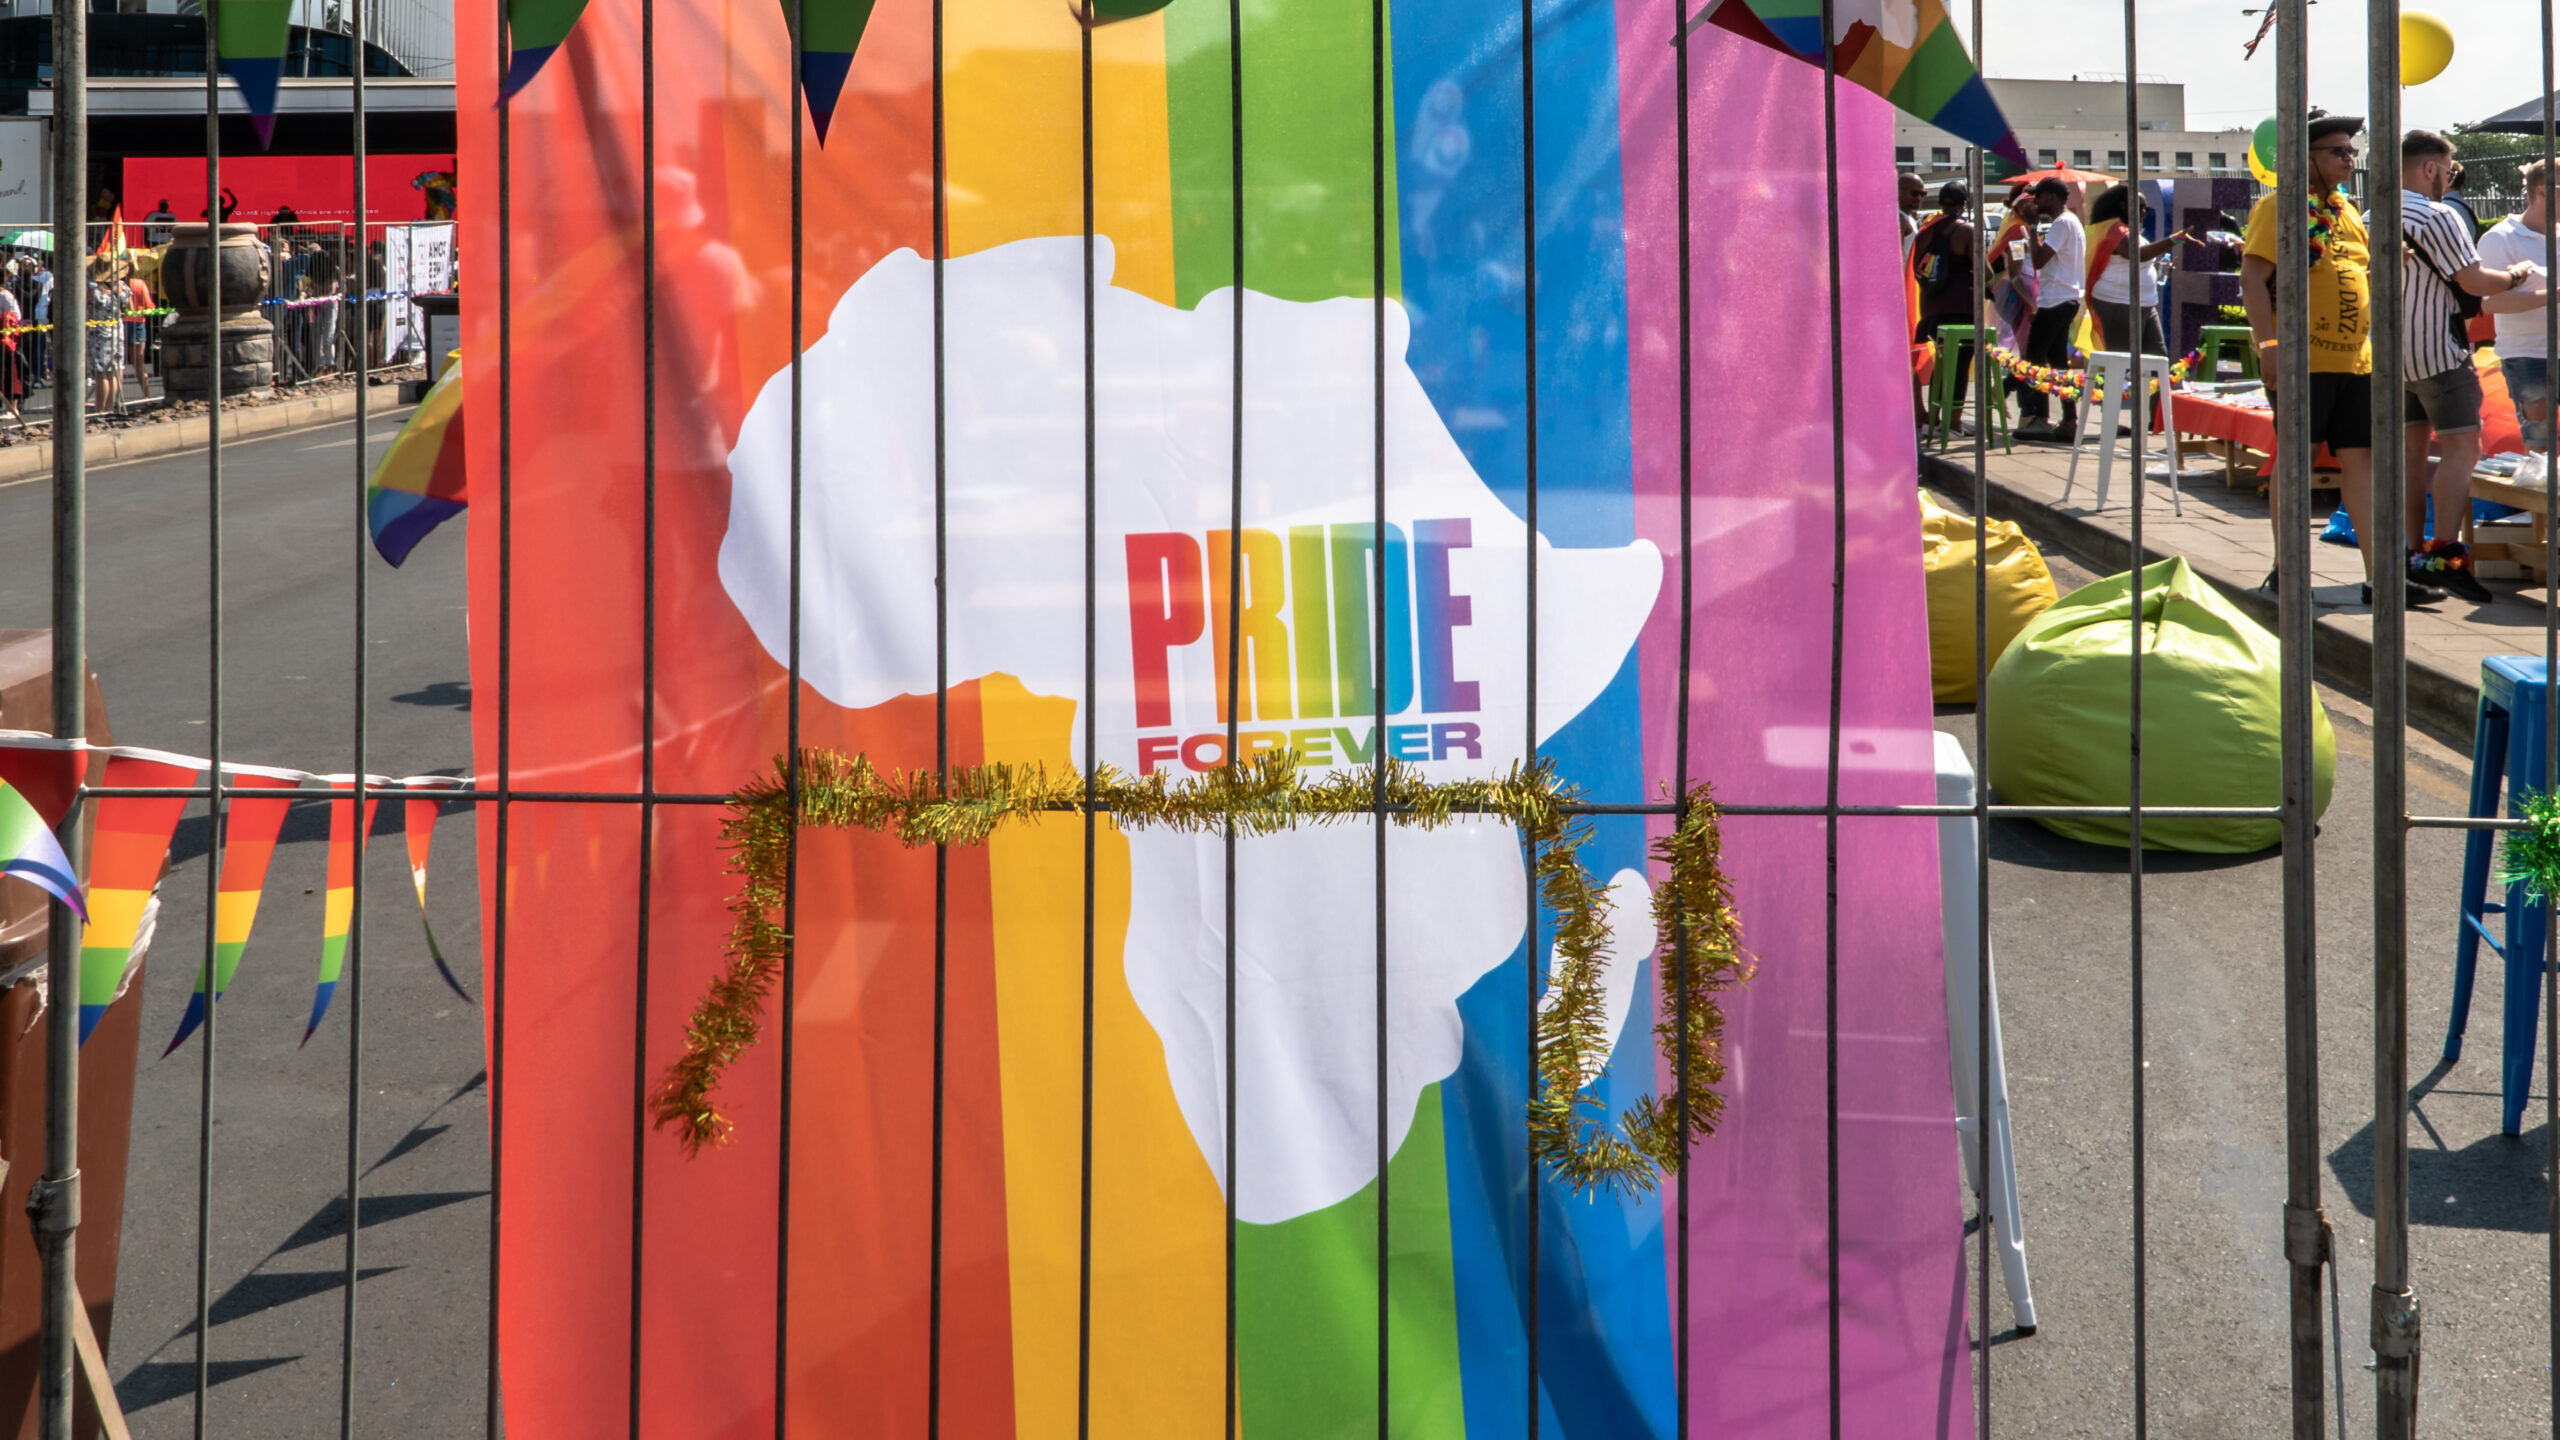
x,y
147,1385
2492,1183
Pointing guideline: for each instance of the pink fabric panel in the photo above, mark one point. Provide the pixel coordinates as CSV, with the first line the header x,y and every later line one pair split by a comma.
x,y
1760,684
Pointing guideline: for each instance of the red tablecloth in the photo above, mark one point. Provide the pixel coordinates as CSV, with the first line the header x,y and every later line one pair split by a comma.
x,y
2256,429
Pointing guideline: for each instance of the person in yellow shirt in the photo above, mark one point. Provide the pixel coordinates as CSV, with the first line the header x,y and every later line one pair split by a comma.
x,y
2340,311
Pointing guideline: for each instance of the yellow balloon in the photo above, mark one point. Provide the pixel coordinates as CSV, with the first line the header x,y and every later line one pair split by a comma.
x,y
2258,168
2426,47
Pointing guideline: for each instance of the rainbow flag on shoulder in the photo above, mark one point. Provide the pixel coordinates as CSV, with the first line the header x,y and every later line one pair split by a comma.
x,y
420,482
1915,59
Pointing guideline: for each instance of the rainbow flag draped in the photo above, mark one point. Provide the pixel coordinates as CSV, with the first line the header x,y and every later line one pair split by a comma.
x,y
29,851
128,851
418,819
249,828
420,481
535,28
340,906
1930,78
250,36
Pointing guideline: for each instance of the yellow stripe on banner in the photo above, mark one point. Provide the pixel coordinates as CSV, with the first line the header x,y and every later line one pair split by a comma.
x,y
115,917
1013,98
341,907
1159,1221
232,912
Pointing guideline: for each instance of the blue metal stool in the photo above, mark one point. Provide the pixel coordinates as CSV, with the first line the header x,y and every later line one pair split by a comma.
x,y
2507,741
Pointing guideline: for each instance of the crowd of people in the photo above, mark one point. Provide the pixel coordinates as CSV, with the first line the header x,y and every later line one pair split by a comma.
x,y
2060,252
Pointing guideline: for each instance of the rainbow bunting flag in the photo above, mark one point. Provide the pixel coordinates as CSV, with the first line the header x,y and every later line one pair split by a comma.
x,y
250,36
128,850
833,31
29,851
250,825
420,481
47,774
535,28
340,906
1929,76
418,818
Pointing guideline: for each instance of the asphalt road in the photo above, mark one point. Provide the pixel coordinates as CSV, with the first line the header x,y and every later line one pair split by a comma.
x,y
2214,1129
280,1131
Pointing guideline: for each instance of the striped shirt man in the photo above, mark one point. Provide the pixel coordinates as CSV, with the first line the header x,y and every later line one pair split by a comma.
x,y
2430,343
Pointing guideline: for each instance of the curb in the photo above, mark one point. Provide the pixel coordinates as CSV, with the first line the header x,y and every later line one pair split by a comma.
x,y
2444,705
111,444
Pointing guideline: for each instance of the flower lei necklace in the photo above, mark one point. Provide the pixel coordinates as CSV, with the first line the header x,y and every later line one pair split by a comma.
x,y
2326,211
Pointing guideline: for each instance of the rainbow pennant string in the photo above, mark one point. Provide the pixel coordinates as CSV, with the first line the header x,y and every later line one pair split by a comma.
x,y
249,829
1931,79
535,28
250,36
128,851
29,851
832,31
421,481
340,907
418,819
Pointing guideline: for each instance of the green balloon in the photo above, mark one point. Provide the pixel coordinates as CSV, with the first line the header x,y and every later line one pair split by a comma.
x,y
2262,142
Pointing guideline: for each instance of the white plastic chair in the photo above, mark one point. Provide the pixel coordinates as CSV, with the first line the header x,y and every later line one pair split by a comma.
x,y
1957,921
2107,371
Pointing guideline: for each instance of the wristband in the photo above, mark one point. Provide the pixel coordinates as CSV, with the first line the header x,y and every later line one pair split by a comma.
x,y
2266,344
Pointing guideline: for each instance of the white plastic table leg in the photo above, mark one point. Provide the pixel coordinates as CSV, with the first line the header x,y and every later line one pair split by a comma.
x,y
1959,925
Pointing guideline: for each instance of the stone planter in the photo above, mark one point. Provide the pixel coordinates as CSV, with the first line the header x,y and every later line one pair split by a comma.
x,y
188,342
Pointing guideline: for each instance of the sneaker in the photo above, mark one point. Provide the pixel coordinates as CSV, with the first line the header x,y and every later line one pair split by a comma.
x,y
2446,565
2036,430
2416,597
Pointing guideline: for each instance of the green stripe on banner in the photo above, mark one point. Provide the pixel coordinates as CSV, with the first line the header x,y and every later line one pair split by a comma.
x,y
252,29
1307,1311
538,24
1938,69
1308,227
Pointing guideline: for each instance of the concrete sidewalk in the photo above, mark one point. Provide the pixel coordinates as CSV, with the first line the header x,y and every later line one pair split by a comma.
x,y
2224,534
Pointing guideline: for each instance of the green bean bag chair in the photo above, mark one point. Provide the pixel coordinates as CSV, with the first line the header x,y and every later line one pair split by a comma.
x,y
2212,729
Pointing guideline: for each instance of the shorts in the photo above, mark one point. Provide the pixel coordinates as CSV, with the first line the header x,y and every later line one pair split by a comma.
x,y
2529,383
136,333
2448,402
2341,410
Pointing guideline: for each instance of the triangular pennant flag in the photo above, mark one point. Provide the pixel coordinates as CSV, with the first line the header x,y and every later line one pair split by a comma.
x,y
1108,12
29,851
535,28
420,481
834,32
250,824
345,851
128,850
251,36
1930,78
47,775
418,818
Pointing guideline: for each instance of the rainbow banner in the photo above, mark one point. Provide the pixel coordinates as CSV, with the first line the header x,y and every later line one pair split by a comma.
x,y
418,819
250,824
1930,77
251,37
29,851
420,482
535,28
339,907
128,851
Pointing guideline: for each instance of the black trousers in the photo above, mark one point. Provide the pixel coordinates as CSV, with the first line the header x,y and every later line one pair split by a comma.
x,y
2115,328
2049,345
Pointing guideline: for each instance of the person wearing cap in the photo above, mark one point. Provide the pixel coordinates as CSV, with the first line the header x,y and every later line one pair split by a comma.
x,y
2339,306
2443,391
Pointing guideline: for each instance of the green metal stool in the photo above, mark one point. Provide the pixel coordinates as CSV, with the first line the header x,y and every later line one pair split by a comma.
x,y
2210,343
1946,387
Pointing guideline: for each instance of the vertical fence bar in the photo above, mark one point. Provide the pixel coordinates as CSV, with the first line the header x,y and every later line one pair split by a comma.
x,y
1680,726
1235,609
2550,694
2304,1226
1534,953
2138,390
1988,1193
2395,1309
203,1378
55,1204
648,676
1378,133
499,885
353,967
1831,756
1092,822
791,865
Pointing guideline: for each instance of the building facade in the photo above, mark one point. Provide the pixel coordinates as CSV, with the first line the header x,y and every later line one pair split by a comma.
x,y
2080,123
139,39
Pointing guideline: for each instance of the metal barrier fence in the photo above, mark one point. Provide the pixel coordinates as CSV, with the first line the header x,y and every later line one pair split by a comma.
x,y
2301,1233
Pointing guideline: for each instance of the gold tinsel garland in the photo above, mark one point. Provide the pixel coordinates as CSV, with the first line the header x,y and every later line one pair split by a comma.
x,y
1570,1130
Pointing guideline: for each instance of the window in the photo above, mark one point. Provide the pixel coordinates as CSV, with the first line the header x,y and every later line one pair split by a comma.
x,y
2080,158
2219,161
2115,159
2046,159
2186,159
1902,155
2150,159
1940,155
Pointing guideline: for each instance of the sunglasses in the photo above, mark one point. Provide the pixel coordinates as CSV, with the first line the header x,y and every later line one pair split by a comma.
x,y
2347,150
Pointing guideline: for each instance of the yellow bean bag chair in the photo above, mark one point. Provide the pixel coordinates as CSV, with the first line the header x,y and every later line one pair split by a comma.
x,y
2018,584
2212,730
